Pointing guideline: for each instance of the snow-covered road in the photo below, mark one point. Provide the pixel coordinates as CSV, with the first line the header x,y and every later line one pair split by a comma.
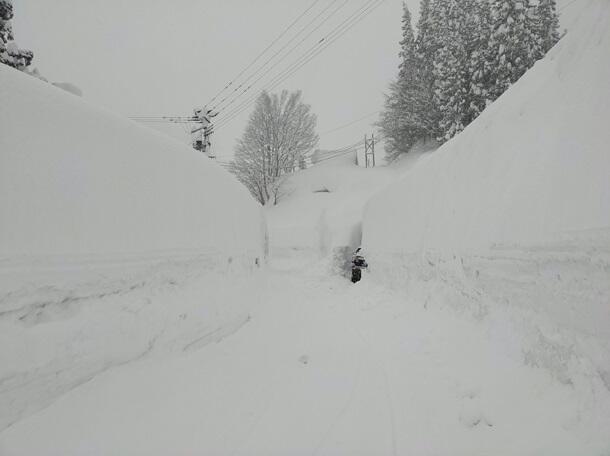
x,y
327,367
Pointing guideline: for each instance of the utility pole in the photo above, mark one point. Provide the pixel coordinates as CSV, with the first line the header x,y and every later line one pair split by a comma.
x,y
203,129
369,151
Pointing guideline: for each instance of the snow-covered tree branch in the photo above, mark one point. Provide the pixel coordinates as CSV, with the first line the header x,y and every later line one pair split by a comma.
x,y
279,134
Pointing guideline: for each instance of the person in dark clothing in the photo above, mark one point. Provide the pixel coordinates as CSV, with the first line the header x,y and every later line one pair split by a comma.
x,y
358,263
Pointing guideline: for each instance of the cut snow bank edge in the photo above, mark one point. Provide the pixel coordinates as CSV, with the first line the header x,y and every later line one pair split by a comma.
x,y
513,214
534,167
115,243
75,179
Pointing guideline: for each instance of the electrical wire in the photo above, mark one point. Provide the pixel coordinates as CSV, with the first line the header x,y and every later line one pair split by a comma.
x,y
349,124
219,106
235,78
305,55
566,5
327,41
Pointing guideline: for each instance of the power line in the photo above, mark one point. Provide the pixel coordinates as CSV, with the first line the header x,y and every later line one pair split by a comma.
x,y
315,50
325,42
566,5
163,119
219,105
264,51
348,124
337,155
301,58
346,150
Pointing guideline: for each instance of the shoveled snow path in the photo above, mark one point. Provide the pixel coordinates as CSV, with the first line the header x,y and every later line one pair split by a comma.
x,y
323,367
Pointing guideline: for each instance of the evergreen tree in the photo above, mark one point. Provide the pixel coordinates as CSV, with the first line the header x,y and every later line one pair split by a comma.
x,y
450,67
413,98
466,54
10,54
401,121
6,31
430,29
477,33
390,123
546,25
512,39
423,28
407,45
424,52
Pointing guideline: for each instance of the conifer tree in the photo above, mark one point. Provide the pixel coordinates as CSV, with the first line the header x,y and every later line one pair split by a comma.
x,y
412,93
450,68
511,43
440,53
401,121
477,32
390,123
6,31
10,54
546,24
466,54
424,51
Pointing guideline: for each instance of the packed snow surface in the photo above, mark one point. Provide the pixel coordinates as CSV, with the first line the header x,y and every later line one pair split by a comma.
x,y
325,367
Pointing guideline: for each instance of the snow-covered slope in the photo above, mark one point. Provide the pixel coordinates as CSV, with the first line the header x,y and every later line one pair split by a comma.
x,y
75,179
512,217
115,242
534,167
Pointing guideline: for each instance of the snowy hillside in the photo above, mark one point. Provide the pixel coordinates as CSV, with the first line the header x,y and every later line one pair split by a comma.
x,y
114,244
534,166
95,183
512,217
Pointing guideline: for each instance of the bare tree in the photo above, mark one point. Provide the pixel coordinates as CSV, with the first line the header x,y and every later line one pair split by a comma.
x,y
279,134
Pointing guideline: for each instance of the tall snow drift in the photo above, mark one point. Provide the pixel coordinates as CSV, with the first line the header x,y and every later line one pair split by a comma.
x,y
115,244
513,215
535,166
75,179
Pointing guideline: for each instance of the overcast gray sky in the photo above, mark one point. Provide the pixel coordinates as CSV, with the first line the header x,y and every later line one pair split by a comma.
x,y
160,57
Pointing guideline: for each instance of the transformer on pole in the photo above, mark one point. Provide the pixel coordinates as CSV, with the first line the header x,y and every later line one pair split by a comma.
x,y
202,131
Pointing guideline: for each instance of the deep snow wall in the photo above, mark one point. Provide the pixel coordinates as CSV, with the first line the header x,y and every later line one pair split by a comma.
x,y
533,167
75,179
116,243
513,214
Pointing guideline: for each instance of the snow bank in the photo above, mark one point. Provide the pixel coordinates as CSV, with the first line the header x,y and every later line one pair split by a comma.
x,y
77,180
533,167
69,87
115,243
512,217
321,210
